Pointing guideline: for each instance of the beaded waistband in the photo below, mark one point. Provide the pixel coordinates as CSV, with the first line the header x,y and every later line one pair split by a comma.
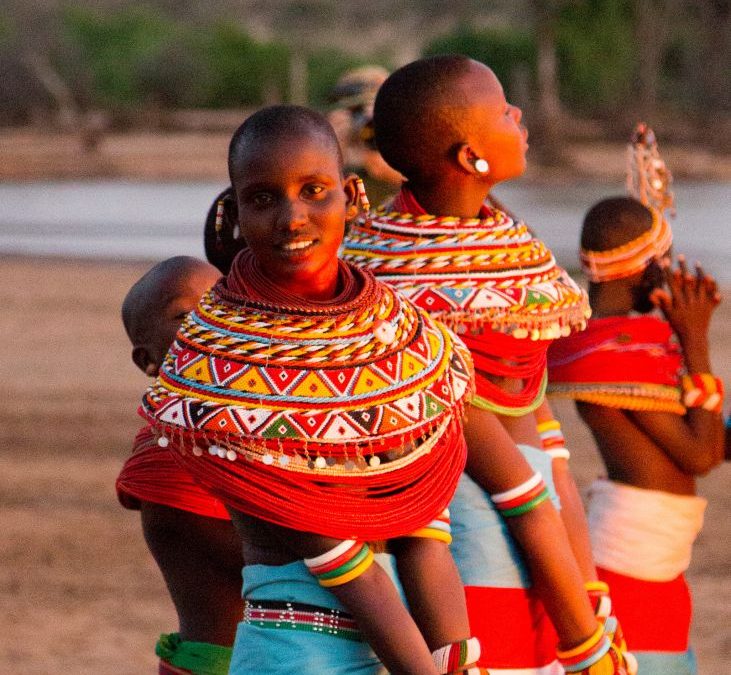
x,y
285,615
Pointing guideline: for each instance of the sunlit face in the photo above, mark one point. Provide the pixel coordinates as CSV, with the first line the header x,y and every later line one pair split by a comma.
x,y
184,299
292,204
495,131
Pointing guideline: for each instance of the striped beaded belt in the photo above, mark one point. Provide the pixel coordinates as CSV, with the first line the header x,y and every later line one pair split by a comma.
x,y
284,615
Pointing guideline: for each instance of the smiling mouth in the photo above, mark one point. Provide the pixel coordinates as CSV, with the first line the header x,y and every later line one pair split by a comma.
x,y
299,245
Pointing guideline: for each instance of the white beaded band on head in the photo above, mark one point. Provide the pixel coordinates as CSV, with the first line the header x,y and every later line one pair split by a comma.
x,y
521,489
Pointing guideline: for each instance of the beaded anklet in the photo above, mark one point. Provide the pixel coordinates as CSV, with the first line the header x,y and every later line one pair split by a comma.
x,y
523,498
453,657
439,529
589,652
552,439
702,390
341,564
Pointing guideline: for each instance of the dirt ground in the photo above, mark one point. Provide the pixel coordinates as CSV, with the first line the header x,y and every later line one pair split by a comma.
x,y
79,592
29,154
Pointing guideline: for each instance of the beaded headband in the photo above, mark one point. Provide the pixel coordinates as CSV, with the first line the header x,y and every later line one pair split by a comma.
x,y
648,181
632,257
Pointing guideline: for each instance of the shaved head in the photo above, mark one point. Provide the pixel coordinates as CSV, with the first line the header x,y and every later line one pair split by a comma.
x,y
280,122
156,305
614,222
418,114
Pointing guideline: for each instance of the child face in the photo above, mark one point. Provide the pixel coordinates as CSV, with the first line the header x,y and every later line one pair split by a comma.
x,y
292,206
496,133
183,300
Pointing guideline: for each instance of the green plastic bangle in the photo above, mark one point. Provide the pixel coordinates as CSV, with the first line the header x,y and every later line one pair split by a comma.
x,y
528,506
346,566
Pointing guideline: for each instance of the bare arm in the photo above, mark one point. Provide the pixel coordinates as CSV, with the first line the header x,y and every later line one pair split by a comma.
x,y
572,508
375,604
695,441
433,589
496,464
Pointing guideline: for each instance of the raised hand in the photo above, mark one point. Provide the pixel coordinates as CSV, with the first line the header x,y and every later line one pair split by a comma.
x,y
688,301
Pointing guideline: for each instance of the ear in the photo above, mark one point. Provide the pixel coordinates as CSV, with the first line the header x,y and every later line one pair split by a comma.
x,y
466,158
231,216
350,188
144,361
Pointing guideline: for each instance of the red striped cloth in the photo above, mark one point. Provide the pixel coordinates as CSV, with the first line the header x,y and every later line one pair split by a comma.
x,y
655,615
513,627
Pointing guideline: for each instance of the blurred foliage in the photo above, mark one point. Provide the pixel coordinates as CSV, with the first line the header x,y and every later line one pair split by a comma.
x,y
158,54
596,53
503,50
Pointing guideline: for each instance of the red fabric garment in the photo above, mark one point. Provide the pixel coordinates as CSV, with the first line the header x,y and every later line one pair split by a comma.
x,y
655,615
152,474
625,362
506,621
165,668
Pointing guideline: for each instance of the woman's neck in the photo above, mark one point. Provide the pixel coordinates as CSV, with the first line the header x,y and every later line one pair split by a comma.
x,y
452,197
610,299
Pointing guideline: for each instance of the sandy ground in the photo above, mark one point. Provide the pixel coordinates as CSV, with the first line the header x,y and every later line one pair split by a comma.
x,y
29,154
79,592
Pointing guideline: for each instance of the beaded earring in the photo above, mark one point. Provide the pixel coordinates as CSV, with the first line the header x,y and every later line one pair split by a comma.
x,y
481,166
218,225
362,196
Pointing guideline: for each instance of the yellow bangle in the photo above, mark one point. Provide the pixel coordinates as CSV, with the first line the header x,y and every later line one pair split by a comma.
x,y
349,576
599,586
548,425
584,646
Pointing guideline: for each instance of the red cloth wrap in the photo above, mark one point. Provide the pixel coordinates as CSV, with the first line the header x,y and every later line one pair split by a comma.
x,y
165,668
617,349
512,626
152,474
655,615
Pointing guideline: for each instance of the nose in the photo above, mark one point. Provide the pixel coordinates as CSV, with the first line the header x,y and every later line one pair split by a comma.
x,y
292,215
516,113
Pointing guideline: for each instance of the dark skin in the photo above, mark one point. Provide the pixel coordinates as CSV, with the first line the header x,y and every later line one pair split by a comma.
x,y
293,202
199,557
451,185
657,450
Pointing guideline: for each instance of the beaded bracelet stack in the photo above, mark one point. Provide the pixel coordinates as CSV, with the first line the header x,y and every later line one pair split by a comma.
x,y
598,592
439,529
552,439
702,390
347,561
458,657
523,498
586,654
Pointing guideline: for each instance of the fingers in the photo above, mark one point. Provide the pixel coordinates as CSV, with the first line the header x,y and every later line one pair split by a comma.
x,y
661,299
707,285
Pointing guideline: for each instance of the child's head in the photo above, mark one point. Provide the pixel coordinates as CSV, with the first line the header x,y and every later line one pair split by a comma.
x,y
618,222
286,170
439,116
222,238
156,305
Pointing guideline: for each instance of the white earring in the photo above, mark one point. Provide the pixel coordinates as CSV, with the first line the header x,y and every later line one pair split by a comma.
x,y
481,166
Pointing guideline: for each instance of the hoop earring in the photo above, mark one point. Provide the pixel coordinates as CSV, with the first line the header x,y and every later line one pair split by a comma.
x,y
218,224
481,166
362,196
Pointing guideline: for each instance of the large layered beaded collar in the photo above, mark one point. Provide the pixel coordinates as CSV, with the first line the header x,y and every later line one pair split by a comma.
x,y
471,273
364,387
